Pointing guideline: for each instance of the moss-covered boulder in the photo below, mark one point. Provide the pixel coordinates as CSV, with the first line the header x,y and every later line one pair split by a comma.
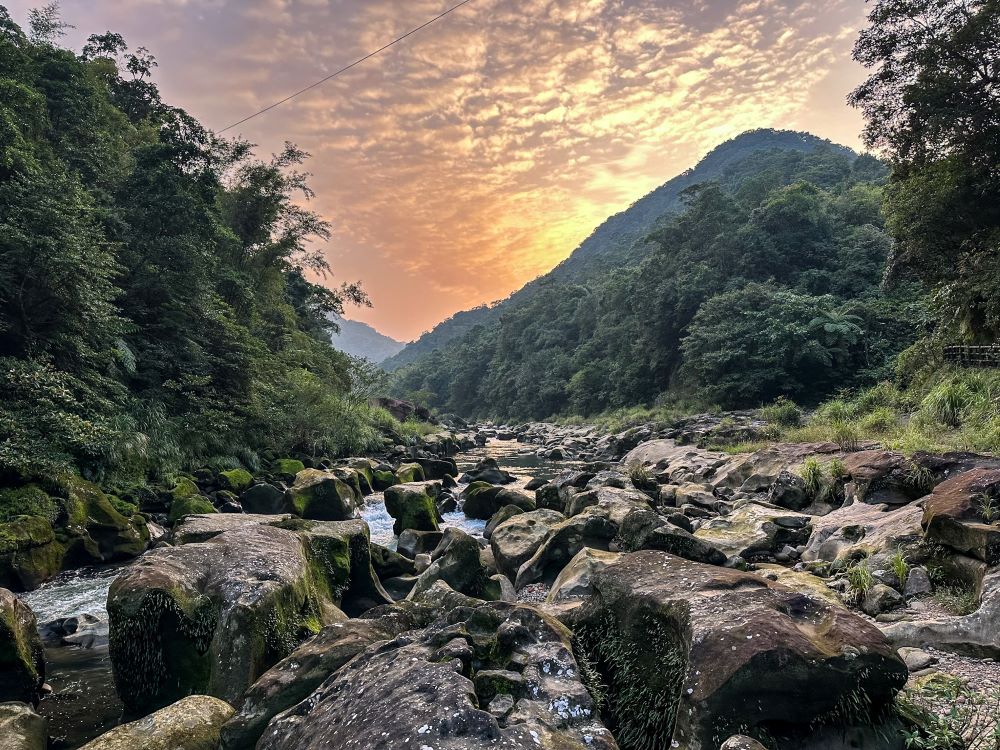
x,y
412,505
411,472
320,495
482,500
264,498
192,723
235,480
210,617
93,517
189,506
755,531
518,538
29,553
458,562
691,654
28,500
22,663
421,690
287,467
383,477
21,728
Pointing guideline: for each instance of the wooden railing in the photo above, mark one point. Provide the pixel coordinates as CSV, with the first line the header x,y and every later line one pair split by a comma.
x,y
974,356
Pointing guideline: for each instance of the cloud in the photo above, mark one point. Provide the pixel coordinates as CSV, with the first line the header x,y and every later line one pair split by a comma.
x,y
476,154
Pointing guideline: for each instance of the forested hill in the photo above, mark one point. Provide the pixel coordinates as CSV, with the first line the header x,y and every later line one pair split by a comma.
x,y
620,239
763,281
362,340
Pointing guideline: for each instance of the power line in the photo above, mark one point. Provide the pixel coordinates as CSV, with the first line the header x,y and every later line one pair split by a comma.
x,y
357,62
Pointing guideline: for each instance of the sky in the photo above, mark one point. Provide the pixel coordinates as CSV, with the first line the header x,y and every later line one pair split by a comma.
x,y
478,153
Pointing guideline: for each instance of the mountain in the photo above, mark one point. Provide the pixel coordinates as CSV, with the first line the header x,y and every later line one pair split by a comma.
x,y
361,340
620,239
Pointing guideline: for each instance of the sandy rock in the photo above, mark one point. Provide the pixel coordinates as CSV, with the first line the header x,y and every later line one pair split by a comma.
x,y
192,723
518,538
953,515
575,581
754,530
859,529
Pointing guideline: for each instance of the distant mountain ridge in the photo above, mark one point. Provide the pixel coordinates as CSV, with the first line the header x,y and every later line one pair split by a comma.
x,y
362,340
619,240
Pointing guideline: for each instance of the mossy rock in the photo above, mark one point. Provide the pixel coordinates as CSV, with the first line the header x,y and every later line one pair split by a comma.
x,y
29,500
186,506
235,480
383,479
192,723
124,507
322,496
411,472
22,665
412,506
287,467
184,487
29,553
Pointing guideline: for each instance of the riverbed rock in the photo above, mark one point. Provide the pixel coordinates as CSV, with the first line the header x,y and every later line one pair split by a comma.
x,y
801,581
409,472
487,470
200,528
482,500
457,561
192,723
412,543
692,654
412,505
575,581
518,538
755,531
953,514
322,496
22,663
211,617
881,598
293,678
859,530
505,513
645,529
265,498
29,553
426,682
21,728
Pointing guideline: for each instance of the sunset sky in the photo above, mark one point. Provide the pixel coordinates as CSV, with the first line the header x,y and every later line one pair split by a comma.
x,y
477,154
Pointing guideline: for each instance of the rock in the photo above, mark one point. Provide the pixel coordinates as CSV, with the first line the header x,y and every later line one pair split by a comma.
x,y
287,468
518,538
21,728
456,561
194,529
481,500
265,498
788,491
412,505
505,513
859,530
535,483
796,580
321,496
29,553
22,663
211,617
887,477
974,634
575,580
696,494
753,531
690,653
916,659
547,496
644,529
488,471
411,472
389,564
438,468
412,543
953,515
235,480
426,681
192,723
293,678
741,742
918,583
881,598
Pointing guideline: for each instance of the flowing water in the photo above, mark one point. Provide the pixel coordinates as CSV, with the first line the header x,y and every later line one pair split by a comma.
x,y
83,702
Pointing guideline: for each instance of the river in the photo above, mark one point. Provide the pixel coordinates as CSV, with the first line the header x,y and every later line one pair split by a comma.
x,y
83,702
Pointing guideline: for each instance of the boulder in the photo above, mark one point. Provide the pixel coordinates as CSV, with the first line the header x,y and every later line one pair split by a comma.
x,y
287,468
741,742
488,471
859,530
547,496
410,472
953,514
265,498
412,505
322,496
201,528
505,513
456,561
22,662
21,728
412,543
192,723
798,580
29,553
788,491
575,581
427,682
481,500
518,538
438,468
691,654
293,678
235,480
645,529
755,531
211,617
881,598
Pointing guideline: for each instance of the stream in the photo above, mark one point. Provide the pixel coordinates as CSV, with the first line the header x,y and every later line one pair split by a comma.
x,y
83,703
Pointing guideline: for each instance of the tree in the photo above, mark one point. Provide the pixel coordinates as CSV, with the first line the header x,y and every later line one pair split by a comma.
x,y
932,105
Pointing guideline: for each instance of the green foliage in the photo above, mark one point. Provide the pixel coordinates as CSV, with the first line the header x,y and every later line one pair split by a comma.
x,y
154,312
782,412
943,712
29,500
860,577
987,507
899,566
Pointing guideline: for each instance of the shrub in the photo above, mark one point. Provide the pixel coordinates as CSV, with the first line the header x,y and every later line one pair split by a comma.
x,y
987,507
845,434
783,412
946,403
881,419
860,577
899,565
944,713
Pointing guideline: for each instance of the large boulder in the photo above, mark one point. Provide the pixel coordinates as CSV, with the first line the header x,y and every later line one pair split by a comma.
x,y
860,530
322,496
645,529
575,581
412,505
21,728
482,500
431,689
296,676
518,538
265,498
487,470
29,552
192,723
691,654
457,561
954,517
755,530
22,663
211,617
